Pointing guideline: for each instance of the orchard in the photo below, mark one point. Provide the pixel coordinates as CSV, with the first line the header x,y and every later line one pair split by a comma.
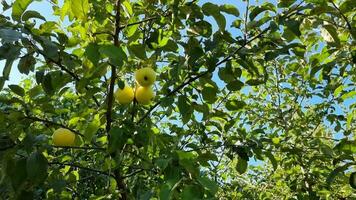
x,y
177,99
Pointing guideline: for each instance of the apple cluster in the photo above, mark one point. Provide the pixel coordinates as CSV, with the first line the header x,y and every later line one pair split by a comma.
x,y
143,94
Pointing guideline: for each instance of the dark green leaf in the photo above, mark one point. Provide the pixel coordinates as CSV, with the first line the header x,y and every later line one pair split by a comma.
x,y
26,64
115,54
17,90
7,69
259,9
241,165
234,105
36,166
235,85
32,14
210,185
92,53
352,180
209,93
9,35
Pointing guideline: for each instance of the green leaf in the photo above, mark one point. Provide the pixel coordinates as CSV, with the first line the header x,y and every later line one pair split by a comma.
x,y
191,192
92,53
347,6
92,128
115,54
80,8
352,180
234,105
47,84
32,14
294,25
230,9
254,82
272,159
202,28
184,108
348,95
241,165
331,177
9,35
36,166
7,69
17,90
210,185
209,93
26,64
259,9
138,50
235,85
18,8
210,9
117,139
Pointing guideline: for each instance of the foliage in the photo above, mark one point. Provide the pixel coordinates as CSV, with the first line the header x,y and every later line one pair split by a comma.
x,y
253,101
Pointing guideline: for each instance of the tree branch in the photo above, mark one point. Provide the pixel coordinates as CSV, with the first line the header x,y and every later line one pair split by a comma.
x,y
192,79
63,68
81,167
83,148
53,123
342,15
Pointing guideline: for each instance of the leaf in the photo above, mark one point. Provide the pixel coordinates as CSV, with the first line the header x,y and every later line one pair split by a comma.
x,y
115,54
336,172
80,8
347,6
47,84
210,9
117,139
7,69
254,82
234,105
92,128
36,166
348,95
346,146
191,192
210,185
18,8
32,14
272,159
259,9
352,180
17,90
230,9
26,64
9,35
235,85
138,50
241,165
92,53
294,25
184,108
202,28
209,93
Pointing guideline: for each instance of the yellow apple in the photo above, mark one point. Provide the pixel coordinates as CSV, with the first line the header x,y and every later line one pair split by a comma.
x,y
145,76
125,95
144,95
63,137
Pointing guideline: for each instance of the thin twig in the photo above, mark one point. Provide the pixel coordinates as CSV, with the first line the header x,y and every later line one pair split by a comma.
x,y
75,147
342,15
81,167
53,123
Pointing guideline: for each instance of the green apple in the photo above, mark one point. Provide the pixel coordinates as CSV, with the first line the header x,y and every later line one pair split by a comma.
x,y
144,95
125,95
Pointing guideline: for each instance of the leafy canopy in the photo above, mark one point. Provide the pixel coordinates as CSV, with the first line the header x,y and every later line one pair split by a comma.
x,y
253,100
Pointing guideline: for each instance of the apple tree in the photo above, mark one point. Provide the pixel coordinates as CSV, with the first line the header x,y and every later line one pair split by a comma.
x,y
253,100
